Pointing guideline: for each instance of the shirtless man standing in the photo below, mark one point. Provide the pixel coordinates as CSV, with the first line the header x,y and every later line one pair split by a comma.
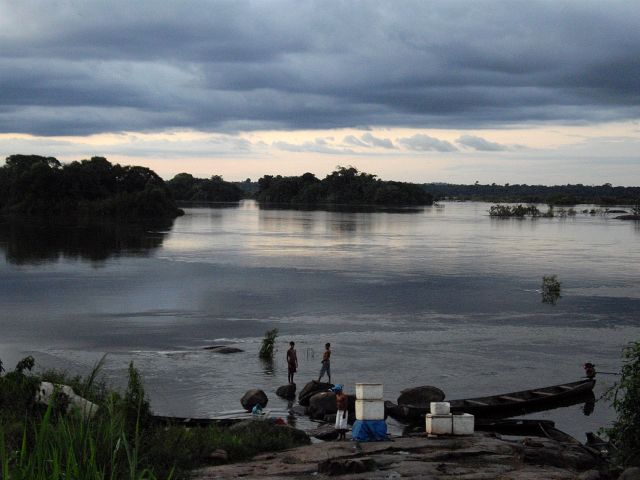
x,y
326,362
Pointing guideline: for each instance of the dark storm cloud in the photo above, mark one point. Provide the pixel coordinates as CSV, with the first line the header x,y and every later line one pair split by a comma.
x,y
240,65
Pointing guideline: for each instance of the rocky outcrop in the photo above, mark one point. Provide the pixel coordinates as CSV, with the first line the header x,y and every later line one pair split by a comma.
x,y
482,456
287,391
270,428
311,389
253,397
420,396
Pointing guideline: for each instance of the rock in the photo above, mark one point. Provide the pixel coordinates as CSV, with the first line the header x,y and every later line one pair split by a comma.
x,y
345,466
631,473
627,217
590,475
322,404
299,410
260,428
420,396
223,349
287,391
253,397
310,389
72,402
219,455
326,433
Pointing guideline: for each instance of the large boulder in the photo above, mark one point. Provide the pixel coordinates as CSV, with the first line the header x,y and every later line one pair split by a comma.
x,y
287,391
259,429
420,396
321,404
252,398
311,389
64,394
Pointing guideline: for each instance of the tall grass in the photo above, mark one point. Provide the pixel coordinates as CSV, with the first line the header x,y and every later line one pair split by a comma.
x,y
121,441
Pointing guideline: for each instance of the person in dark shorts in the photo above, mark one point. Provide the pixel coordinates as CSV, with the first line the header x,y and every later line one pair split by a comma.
x,y
292,361
326,362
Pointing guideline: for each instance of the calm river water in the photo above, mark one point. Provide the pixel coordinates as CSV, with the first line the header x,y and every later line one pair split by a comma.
x,y
443,296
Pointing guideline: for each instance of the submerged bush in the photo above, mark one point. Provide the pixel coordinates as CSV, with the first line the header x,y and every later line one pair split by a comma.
x,y
518,211
550,289
268,343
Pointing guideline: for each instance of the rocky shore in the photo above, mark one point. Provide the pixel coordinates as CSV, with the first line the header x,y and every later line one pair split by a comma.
x,y
477,457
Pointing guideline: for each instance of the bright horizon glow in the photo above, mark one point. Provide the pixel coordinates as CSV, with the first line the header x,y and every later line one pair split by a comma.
x,y
543,154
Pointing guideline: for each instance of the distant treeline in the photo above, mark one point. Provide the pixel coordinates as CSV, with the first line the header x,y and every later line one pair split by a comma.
x,y
555,195
34,184
185,187
344,186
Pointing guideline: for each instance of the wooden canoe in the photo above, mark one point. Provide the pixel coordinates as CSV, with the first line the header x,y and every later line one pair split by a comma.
x,y
507,404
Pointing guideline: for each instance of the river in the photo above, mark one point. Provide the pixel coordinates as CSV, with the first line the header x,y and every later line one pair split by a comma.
x,y
442,295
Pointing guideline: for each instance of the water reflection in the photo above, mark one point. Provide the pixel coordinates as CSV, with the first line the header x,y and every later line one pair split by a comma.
x,y
341,208
36,241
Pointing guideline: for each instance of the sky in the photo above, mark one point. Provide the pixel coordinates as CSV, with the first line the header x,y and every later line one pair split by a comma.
x,y
537,92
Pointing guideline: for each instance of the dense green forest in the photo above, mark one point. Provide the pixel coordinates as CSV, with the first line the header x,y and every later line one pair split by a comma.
x,y
344,186
553,195
185,187
34,184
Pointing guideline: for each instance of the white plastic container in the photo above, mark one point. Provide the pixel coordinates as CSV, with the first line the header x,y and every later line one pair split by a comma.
x,y
439,424
369,391
369,409
463,424
440,408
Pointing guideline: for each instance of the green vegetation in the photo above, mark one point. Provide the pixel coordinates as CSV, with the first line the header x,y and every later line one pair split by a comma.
x,y
624,396
122,440
185,187
33,184
268,344
550,289
518,211
344,186
552,195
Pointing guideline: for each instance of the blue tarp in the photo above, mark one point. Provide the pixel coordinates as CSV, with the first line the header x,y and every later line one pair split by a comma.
x,y
369,430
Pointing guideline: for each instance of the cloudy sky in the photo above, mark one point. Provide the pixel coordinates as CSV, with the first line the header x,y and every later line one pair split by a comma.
x,y
519,92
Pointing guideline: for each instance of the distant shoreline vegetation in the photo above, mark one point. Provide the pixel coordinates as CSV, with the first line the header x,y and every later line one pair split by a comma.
x,y
559,195
33,184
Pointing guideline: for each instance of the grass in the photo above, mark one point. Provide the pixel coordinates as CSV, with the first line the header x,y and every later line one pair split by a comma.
x,y
120,442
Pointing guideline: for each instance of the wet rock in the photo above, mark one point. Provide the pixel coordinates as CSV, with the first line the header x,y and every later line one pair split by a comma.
x,y
590,475
420,396
262,428
223,349
219,455
631,473
253,397
299,410
333,467
322,404
287,391
326,433
311,389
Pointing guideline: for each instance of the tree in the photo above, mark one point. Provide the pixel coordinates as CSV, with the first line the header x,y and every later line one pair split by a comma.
x,y
624,396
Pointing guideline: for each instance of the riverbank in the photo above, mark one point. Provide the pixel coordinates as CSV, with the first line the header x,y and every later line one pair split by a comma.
x,y
477,457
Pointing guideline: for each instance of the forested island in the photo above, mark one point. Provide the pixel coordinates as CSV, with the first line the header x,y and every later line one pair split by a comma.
x,y
344,186
33,184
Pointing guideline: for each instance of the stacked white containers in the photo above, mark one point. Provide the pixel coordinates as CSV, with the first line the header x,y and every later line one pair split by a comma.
x,y
369,401
441,422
